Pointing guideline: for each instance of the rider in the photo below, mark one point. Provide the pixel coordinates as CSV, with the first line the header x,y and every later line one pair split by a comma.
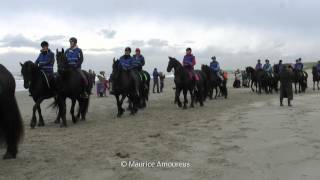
x,y
214,65
298,66
45,61
138,60
189,61
318,67
259,65
280,66
126,63
267,68
75,59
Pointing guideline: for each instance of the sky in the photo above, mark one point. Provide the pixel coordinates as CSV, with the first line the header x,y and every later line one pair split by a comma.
x,y
237,32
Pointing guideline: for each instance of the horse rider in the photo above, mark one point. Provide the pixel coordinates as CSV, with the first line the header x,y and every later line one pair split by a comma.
x,y
126,63
189,61
138,60
298,66
267,68
45,62
75,59
215,67
318,67
280,66
259,65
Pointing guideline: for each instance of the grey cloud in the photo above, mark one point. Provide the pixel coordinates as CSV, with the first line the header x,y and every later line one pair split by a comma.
x,y
158,42
17,41
108,33
53,38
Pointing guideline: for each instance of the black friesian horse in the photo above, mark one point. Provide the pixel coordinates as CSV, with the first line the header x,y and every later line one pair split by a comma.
x,y
11,126
69,85
316,77
261,80
39,88
144,88
214,82
300,78
123,85
184,83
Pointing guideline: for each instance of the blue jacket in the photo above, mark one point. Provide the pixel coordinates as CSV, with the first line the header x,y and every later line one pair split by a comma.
x,y
318,67
298,66
45,61
74,57
137,61
155,74
125,62
280,66
215,66
267,68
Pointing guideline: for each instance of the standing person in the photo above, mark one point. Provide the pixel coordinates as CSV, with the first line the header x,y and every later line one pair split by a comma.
x,y
286,76
280,66
45,62
155,79
189,61
75,59
162,77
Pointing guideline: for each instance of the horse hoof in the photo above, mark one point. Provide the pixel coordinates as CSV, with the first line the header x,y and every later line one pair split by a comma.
x,y
9,156
41,124
184,107
33,125
63,125
57,122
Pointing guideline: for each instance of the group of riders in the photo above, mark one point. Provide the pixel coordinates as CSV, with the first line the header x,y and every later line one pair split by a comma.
x,y
298,66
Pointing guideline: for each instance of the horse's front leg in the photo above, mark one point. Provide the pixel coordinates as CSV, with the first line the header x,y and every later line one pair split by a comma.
x,y
41,122
34,117
318,85
314,84
119,105
185,102
193,96
73,104
177,97
62,111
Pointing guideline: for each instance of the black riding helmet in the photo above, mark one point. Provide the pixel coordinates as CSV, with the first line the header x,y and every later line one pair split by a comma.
x,y
188,49
44,44
73,39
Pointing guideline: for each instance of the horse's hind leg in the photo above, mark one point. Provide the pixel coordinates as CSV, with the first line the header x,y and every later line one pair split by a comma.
x,y
62,111
295,88
193,95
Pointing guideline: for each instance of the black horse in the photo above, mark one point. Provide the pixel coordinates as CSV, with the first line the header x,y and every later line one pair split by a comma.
x,y
276,77
11,126
70,85
213,83
316,77
123,85
300,78
144,87
185,83
255,78
39,87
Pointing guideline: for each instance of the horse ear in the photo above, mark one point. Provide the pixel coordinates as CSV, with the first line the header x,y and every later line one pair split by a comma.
x,y
21,64
57,51
114,60
62,50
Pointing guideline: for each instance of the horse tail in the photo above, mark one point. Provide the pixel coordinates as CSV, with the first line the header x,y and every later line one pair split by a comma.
x,y
55,103
85,103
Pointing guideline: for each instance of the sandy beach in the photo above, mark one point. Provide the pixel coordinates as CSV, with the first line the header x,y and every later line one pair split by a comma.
x,y
244,137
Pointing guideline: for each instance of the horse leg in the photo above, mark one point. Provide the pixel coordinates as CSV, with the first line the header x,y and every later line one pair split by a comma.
x,y
73,104
314,84
177,98
185,102
193,96
41,122
252,86
34,118
216,92
295,88
63,110
318,85
120,111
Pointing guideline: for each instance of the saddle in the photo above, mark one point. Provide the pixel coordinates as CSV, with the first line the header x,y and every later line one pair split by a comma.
x,y
142,75
47,79
193,76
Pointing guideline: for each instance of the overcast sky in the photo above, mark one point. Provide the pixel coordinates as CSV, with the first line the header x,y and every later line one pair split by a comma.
x,y
237,32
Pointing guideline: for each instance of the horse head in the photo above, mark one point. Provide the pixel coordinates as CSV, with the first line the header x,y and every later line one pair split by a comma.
x,y
61,59
250,70
172,64
27,72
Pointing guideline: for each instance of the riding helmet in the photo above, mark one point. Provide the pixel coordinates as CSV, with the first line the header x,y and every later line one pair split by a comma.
x,y
44,44
73,39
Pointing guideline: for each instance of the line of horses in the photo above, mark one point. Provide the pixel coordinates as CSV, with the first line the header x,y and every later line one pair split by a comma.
x,y
268,83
